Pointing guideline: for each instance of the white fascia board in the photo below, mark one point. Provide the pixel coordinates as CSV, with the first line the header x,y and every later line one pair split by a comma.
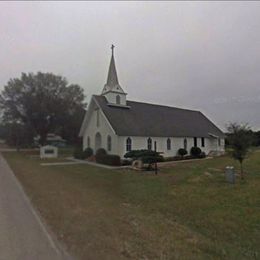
x,y
84,123
105,116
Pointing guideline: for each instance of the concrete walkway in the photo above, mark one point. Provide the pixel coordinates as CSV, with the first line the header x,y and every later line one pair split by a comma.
x,y
99,164
22,234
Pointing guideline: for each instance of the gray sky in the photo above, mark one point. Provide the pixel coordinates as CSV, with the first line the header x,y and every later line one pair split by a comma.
x,y
198,55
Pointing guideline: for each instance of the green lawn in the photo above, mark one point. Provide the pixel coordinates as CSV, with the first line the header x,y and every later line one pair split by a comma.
x,y
188,211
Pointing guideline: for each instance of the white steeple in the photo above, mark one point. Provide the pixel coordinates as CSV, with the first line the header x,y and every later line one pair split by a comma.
x,y
112,90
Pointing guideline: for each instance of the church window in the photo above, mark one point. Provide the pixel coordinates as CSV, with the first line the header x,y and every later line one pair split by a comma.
x,y
219,142
149,143
88,141
97,117
185,144
168,144
118,99
195,141
128,144
202,142
109,143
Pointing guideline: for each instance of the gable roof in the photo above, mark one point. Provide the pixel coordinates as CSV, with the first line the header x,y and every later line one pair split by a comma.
x,y
143,119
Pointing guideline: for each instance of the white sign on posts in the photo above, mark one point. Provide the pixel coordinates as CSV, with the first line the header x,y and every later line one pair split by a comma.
x,y
48,151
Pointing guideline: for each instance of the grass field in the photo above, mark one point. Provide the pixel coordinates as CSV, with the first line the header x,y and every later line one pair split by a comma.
x,y
188,211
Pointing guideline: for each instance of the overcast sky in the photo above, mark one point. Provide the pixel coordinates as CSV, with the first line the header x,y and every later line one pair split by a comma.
x,y
197,55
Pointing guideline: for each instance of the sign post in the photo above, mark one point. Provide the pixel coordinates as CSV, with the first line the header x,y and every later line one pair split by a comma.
x,y
155,165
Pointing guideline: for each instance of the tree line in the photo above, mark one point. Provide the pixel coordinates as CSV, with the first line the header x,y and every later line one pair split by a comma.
x,y
254,136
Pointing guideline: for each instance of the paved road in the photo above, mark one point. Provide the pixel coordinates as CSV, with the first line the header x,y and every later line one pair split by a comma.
x,y
22,234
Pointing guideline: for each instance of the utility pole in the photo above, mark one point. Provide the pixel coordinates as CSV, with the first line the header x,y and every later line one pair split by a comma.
x,y
155,165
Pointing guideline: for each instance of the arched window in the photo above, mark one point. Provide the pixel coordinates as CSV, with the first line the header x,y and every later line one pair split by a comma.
x,y
109,143
169,144
185,144
88,141
118,99
149,143
128,144
98,141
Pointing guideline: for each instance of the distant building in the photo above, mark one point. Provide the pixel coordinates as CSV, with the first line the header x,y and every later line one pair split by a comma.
x,y
120,125
52,139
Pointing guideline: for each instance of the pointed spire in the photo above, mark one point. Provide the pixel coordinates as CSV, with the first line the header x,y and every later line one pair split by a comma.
x,y
112,79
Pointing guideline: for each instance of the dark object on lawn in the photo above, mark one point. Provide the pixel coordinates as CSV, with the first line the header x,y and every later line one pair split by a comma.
x,y
195,151
182,152
109,159
155,165
230,174
88,152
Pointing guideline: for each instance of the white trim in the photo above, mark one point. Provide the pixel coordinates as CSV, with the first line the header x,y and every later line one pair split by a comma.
x,y
114,91
104,116
84,124
117,105
214,136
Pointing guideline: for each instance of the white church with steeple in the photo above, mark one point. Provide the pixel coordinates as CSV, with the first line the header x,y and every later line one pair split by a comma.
x,y
119,125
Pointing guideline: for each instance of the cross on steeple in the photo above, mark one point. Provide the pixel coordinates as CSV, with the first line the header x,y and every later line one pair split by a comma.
x,y
112,79
112,48
112,89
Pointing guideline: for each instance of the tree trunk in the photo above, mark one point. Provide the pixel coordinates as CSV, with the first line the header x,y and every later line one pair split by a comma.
x,y
43,138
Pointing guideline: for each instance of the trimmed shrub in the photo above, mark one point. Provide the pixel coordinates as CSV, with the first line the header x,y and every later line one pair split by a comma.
x,y
101,151
195,151
182,152
109,159
173,158
152,159
147,156
78,153
189,157
88,152
138,154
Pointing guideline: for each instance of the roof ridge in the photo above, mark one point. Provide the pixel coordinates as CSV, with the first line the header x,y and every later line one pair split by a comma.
x,y
159,105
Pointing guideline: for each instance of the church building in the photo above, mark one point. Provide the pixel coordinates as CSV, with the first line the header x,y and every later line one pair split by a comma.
x,y
119,125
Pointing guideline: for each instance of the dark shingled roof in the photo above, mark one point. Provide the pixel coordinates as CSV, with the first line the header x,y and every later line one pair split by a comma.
x,y
143,119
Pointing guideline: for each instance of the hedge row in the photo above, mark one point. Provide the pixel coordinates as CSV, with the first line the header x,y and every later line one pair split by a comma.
x,y
108,159
82,155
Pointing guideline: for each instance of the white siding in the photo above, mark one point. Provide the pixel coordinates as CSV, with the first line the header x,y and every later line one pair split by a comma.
x,y
139,142
104,129
111,98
